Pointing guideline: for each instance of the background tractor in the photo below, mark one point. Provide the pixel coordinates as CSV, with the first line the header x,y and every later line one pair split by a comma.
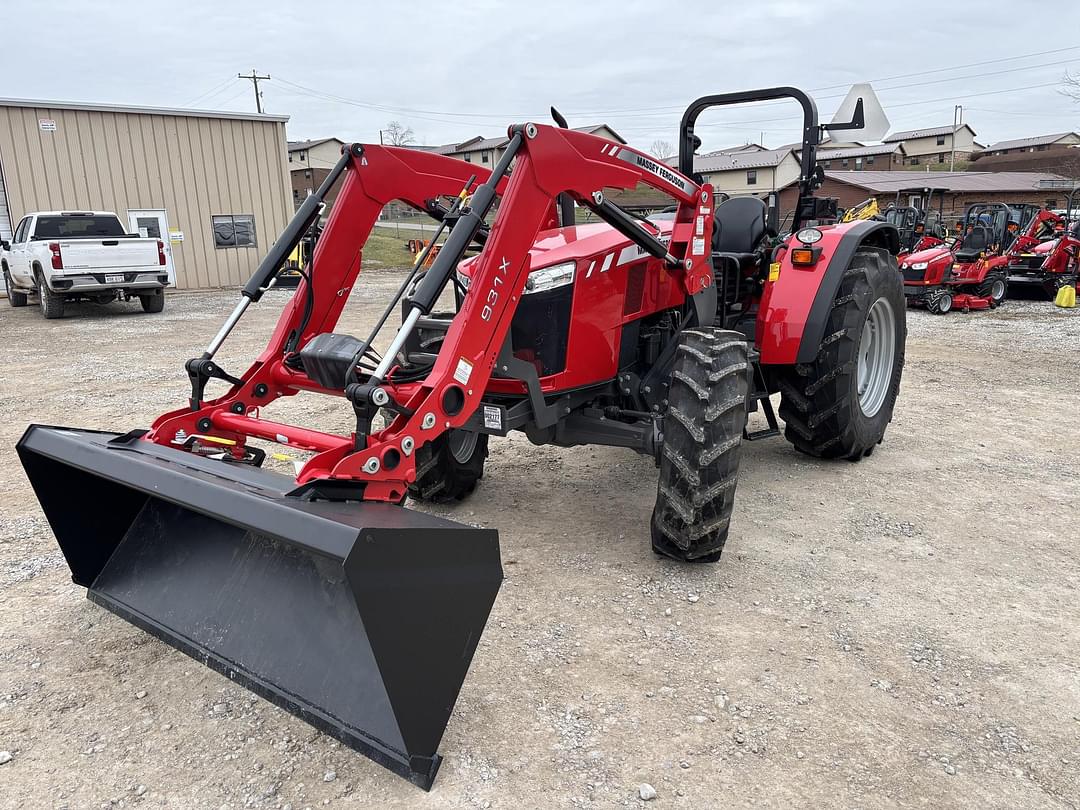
x,y
921,226
1051,263
324,594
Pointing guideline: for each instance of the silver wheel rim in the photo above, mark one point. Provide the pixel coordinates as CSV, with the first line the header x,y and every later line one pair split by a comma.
x,y
997,290
877,351
462,444
944,303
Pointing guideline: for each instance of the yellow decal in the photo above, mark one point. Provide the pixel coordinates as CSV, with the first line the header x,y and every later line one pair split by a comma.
x,y
774,271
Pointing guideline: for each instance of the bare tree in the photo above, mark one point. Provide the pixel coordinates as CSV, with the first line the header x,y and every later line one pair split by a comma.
x,y
1070,86
661,148
397,134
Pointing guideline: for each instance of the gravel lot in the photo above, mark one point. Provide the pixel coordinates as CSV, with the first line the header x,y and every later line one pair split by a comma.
x,y
902,632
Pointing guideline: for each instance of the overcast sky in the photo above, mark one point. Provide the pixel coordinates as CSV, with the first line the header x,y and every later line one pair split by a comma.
x,y
454,70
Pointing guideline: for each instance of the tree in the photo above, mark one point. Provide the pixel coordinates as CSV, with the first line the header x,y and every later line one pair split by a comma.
x,y
1071,86
661,148
397,134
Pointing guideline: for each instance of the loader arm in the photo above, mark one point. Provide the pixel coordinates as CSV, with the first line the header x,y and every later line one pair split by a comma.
x,y
547,161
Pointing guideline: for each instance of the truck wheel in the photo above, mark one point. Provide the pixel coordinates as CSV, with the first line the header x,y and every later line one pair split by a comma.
x,y
448,468
155,302
839,405
703,427
52,304
15,299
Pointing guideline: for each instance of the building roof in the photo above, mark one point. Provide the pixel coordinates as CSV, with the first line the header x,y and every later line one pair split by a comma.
x,y
592,129
734,150
131,109
841,152
881,182
911,134
478,143
740,160
1038,140
296,146
443,149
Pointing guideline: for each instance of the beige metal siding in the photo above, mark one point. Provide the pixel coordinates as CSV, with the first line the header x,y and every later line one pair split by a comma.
x,y
193,167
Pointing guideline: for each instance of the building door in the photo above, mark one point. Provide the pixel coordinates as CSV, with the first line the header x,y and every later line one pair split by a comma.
x,y
153,224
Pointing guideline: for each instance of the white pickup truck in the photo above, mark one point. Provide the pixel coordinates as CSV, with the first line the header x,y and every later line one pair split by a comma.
x,y
62,255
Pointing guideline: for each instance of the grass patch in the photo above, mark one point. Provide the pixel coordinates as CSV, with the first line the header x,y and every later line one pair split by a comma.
x,y
386,250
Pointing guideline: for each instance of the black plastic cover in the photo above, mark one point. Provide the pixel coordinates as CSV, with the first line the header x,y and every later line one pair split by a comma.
x,y
327,358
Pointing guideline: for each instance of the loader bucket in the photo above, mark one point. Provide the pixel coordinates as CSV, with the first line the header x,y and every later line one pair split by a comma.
x,y
359,618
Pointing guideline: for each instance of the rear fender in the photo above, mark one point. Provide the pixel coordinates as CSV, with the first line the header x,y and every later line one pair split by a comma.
x,y
795,305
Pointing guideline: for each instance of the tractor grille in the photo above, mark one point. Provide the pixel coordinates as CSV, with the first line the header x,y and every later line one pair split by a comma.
x,y
541,328
914,275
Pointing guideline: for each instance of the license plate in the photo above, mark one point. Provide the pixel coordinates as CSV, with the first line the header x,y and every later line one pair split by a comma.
x,y
114,279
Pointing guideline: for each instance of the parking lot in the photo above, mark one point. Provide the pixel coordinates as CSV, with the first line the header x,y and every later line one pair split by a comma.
x,y
898,632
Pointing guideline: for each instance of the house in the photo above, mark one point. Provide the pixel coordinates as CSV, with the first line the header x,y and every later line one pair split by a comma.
x,y
748,172
1059,154
212,186
935,145
879,157
961,188
309,164
487,151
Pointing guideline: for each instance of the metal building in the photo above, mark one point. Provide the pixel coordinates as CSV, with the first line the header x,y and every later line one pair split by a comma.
x,y
213,186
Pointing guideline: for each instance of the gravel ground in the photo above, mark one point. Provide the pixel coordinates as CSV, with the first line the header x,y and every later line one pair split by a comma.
x,y
900,632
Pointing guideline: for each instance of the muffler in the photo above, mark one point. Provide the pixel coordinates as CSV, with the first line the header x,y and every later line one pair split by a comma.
x,y
359,618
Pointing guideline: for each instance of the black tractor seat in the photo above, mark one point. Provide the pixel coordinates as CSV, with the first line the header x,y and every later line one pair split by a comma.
x,y
974,244
738,231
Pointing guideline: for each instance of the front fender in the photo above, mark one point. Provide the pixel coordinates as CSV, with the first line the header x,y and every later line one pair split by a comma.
x,y
796,303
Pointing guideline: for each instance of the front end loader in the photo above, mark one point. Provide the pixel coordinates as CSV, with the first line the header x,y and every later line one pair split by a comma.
x,y
326,596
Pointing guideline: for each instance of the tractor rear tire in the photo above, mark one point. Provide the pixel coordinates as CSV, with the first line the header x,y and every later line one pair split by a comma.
x,y
703,428
839,405
15,299
995,287
52,304
449,467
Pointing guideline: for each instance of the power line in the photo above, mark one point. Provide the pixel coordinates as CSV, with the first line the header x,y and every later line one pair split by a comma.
x,y
211,92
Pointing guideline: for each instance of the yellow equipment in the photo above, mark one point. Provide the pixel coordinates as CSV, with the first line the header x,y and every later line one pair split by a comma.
x,y
1066,297
867,209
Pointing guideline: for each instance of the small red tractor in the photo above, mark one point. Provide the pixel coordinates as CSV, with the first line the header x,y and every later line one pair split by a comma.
x,y
324,594
919,224
973,274
1052,263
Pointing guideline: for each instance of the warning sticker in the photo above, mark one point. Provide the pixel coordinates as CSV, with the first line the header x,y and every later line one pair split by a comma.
x,y
492,417
463,371
774,271
698,247
699,227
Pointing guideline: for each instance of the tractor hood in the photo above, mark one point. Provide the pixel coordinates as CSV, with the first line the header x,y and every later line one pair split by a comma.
x,y
573,243
930,255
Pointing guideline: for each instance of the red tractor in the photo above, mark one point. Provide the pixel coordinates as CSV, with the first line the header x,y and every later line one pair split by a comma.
x,y
919,224
327,597
973,273
1052,263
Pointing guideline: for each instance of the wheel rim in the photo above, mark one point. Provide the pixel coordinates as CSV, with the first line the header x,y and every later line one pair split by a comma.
x,y
877,351
944,303
462,444
997,290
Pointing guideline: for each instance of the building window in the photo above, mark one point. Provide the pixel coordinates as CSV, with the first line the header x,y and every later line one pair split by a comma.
x,y
914,161
858,164
843,163
233,230
468,158
751,177
941,157
307,174
869,160
290,157
1041,148
827,164
484,157
940,140
303,156
1051,204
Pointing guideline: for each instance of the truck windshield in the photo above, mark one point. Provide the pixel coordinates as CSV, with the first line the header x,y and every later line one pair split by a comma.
x,y
76,227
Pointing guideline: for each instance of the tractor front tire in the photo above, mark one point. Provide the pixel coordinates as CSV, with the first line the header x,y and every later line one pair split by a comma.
x,y
449,467
839,405
52,304
702,435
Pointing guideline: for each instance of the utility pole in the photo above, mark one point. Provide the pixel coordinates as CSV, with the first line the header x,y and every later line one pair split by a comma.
x,y
255,78
957,120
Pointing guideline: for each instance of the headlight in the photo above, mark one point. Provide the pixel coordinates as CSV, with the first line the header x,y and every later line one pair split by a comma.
x,y
463,279
808,236
549,278
920,265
